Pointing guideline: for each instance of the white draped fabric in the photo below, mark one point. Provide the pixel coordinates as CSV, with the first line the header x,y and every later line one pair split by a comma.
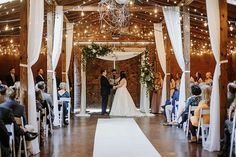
x,y
119,56
57,44
162,56
35,32
233,2
69,43
172,19
213,16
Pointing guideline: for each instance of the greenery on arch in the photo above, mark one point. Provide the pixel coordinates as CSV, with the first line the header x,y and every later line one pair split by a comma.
x,y
93,51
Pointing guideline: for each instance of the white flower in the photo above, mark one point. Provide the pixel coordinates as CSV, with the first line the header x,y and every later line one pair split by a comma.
x,y
94,51
90,46
100,48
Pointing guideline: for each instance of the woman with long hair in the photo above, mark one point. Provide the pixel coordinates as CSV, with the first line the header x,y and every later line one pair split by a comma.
x,y
123,104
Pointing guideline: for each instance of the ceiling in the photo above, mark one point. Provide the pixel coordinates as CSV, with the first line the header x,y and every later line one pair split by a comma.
x,y
143,14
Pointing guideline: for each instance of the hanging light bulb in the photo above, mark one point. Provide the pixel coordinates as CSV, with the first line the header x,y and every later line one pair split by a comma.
x,y
205,24
6,28
231,28
82,13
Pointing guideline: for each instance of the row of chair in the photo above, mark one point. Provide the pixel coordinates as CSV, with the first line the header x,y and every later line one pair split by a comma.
x,y
10,129
204,128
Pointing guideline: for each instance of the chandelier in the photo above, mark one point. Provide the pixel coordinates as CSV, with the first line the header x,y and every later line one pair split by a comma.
x,y
114,13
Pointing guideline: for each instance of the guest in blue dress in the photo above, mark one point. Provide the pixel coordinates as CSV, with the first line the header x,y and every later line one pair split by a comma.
x,y
62,93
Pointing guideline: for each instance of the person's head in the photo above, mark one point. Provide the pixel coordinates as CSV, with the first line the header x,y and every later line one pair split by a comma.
x,y
2,93
41,85
103,72
206,93
114,72
208,75
10,93
40,71
177,76
196,90
171,76
198,75
12,71
158,75
122,75
62,86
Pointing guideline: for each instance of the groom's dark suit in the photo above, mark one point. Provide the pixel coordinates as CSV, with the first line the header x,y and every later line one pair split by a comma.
x,y
105,91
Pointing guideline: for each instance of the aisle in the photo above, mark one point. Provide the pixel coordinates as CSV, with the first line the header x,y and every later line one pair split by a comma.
x,y
77,140
121,137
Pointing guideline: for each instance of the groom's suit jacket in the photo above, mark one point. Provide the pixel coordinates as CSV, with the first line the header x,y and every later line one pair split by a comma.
x,y
105,86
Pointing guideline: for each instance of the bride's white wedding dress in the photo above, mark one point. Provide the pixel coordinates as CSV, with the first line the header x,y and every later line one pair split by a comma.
x,y
123,104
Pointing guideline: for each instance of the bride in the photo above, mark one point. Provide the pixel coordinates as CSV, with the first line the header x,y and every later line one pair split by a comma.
x,y
123,104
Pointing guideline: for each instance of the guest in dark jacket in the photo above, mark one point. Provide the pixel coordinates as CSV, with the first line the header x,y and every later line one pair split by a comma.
x,y
39,77
11,78
105,90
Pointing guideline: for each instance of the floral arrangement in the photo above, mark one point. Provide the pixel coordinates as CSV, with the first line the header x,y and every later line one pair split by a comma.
x,y
147,76
93,51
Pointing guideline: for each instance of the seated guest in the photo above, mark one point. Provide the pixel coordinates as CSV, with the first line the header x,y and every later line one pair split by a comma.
x,y
191,101
208,79
39,77
2,93
203,104
228,127
198,78
11,78
47,97
4,140
62,93
10,103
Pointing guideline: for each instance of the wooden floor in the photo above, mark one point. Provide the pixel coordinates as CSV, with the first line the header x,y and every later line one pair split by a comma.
x,y
77,139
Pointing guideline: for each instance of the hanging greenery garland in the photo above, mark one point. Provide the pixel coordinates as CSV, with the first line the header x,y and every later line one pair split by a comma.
x,y
93,51
147,76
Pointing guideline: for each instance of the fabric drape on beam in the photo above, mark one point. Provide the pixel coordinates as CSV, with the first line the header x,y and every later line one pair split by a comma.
x,y
213,16
69,42
161,56
35,32
172,19
57,45
119,56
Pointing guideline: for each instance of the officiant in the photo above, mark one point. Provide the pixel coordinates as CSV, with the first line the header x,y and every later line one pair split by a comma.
x,y
114,79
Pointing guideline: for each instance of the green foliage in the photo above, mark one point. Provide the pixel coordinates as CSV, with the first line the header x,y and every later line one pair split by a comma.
x,y
93,51
147,77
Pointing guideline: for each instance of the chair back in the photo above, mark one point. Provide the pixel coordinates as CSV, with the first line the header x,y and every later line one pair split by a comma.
x,y
10,129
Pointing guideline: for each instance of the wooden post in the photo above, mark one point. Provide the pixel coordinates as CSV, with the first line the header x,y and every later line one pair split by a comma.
x,y
168,55
23,54
76,80
63,56
186,29
49,51
224,63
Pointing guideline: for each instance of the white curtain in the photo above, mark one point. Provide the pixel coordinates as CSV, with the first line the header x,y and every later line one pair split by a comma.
x,y
57,44
69,42
213,16
35,32
233,2
161,55
83,101
172,19
119,56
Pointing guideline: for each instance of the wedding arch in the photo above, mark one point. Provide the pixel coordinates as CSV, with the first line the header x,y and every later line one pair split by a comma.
x,y
116,55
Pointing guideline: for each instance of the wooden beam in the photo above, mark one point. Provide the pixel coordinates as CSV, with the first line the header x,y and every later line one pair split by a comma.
x,y
96,8
186,32
63,56
50,25
168,63
23,54
224,66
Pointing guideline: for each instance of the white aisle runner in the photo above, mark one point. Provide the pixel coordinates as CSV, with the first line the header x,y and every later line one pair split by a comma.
x,y
121,137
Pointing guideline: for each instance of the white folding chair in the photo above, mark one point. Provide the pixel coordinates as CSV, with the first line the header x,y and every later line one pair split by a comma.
x,y
44,122
68,100
204,127
191,109
232,136
10,129
19,121
60,113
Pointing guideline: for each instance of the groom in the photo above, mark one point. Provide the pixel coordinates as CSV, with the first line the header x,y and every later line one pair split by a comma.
x,y
105,90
